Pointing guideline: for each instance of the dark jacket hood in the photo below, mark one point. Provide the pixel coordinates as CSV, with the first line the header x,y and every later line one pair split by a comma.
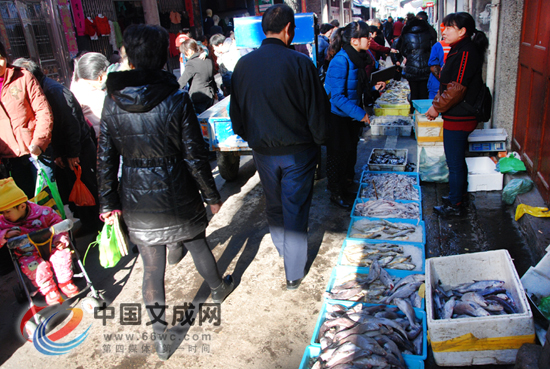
x,y
416,26
139,91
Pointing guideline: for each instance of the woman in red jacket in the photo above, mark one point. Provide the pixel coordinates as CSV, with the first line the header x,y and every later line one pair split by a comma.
x,y
461,84
26,122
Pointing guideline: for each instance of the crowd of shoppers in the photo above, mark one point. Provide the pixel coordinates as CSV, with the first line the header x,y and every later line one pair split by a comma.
x,y
132,128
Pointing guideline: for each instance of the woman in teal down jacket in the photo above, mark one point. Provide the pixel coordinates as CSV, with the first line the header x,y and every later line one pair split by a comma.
x,y
346,82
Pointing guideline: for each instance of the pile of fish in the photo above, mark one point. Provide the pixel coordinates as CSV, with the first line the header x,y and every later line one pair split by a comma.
x,y
368,337
389,186
391,120
377,287
386,158
382,229
481,298
387,209
386,254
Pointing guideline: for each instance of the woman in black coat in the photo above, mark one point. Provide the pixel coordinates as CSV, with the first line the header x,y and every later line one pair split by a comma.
x,y
199,73
415,44
149,122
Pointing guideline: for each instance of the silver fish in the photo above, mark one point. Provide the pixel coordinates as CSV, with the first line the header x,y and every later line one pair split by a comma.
x,y
469,308
403,292
479,285
411,278
406,307
474,297
386,279
449,308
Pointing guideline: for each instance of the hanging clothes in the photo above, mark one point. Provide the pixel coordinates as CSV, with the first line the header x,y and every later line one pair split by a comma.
x,y
102,24
90,28
112,36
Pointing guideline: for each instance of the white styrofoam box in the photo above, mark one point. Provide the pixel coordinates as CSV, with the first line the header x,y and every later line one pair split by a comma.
x,y
401,153
451,271
390,130
483,175
488,135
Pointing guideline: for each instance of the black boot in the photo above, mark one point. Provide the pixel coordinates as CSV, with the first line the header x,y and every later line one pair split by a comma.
x,y
340,201
449,210
223,290
163,346
465,200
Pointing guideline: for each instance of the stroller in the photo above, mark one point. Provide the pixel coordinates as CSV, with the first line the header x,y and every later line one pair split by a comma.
x,y
42,241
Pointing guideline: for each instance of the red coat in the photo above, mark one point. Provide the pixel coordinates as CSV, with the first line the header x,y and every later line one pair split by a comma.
x,y
25,116
397,27
102,24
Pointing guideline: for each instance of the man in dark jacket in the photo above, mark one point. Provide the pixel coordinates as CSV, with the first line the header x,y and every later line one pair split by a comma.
x,y
279,106
415,44
72,144
388,30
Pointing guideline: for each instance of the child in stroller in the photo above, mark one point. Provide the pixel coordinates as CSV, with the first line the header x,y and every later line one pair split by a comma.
x,y
19,216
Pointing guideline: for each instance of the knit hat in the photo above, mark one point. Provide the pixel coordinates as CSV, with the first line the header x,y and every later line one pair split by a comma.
x,y
10,194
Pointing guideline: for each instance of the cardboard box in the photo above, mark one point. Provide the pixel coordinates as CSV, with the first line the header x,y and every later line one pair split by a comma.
x,y
483,175
477,340
428,130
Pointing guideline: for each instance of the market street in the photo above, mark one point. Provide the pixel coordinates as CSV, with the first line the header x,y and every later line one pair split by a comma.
x,y
262,325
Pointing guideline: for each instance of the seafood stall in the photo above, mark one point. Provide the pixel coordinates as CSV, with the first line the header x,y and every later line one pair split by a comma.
x,y
373,313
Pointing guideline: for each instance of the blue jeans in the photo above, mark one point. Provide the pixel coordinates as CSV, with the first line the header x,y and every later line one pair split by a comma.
x,y
287,181
455,144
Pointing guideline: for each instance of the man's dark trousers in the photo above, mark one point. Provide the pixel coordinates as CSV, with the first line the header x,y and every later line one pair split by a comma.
x,y
287,181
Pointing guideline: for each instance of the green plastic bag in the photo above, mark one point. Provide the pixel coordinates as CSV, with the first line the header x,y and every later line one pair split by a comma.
x,y
109,252
516,187
42,181
511,165
544,307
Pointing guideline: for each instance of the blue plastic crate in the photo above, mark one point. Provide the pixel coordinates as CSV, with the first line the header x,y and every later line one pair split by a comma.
x,y
410,174
358,200
422,105
365,185
313,351
420,315
416,222
409,248
343,270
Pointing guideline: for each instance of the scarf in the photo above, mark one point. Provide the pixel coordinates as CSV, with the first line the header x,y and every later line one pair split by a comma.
x,y
359,61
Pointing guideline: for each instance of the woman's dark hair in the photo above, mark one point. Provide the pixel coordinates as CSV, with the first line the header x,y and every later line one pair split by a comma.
x,y
325,27
465,20
344,35
90,66
374,29
146,46
190,44
31,66
276,18
4,53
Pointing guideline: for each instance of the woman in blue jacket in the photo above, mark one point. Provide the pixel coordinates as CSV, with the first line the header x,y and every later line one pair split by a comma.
x,y
345,83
